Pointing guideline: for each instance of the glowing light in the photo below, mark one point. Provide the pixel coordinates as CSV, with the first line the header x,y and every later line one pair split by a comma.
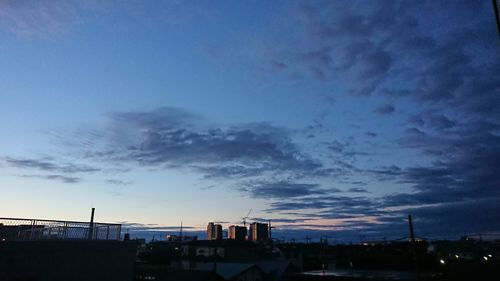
x,y
456,256
441,261
485,258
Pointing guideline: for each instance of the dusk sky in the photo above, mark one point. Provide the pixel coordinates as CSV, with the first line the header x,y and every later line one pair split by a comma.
x,y
334,118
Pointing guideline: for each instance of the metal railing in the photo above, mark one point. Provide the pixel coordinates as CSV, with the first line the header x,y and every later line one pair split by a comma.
x,y
37,229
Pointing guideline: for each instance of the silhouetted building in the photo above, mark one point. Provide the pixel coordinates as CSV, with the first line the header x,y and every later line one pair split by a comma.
x,y
224,250
258,231
177,238
214,231
237,232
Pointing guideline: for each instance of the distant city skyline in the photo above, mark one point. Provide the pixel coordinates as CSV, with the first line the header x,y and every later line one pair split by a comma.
x,y
334,118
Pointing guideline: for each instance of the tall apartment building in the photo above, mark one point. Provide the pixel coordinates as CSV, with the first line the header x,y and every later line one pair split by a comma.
x,y
237,232
258,231
214,231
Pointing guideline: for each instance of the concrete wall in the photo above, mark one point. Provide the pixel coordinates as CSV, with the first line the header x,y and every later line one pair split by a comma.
x,y
65,260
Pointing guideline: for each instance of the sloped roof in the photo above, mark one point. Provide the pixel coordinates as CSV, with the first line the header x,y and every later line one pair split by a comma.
x,y
276,269
192,275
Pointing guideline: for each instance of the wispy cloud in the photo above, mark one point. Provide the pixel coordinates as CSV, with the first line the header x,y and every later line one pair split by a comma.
x,y
38,19
34,18
283,189
118,182
49,164
61,178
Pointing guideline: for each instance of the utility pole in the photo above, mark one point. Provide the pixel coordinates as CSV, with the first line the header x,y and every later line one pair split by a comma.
x,y
270,230
413,247
496,10
181,231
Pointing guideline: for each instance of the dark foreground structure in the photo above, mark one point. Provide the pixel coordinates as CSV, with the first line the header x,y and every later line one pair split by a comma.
x,y
60,260
43,250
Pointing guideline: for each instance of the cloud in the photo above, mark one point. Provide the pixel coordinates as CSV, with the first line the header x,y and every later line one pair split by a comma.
x,y
331,205
31,18
474,216
461,186
282,189
49,164
432,119
391,48
441,122
438,57
62,178
173,138
140,227
118,182
263,160
39,19
385,109
357,190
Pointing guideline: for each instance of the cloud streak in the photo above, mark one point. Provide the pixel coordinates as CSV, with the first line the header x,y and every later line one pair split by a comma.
x,y
62,178
49,164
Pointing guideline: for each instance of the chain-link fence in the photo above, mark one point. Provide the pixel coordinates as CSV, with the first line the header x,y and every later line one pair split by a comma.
x,y
35,229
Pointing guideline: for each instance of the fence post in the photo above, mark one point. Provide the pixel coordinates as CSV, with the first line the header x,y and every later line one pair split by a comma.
x,y
33,223
91,226
65,230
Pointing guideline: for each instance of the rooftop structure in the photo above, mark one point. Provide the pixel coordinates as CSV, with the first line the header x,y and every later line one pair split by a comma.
x,y
12,229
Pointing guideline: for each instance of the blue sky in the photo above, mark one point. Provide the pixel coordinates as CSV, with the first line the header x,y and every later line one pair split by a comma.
x,y
334,118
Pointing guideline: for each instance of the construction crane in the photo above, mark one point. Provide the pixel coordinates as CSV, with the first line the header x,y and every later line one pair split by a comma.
x,y
244,219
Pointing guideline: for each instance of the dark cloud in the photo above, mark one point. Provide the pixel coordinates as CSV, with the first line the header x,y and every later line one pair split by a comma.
x,y
441,122
344,153
468,166
280,220
278,65
474,216
416,120
432,119
48,164
374,64
385,172
329,206
357,190
140,227
173,138
337,146
64,179
282,189
118,182
392,48
385,109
